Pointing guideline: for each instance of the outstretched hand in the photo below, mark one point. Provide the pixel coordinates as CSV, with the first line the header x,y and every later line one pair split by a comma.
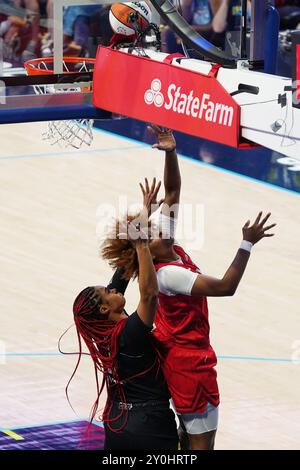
x,y
258,230
150,195
165,138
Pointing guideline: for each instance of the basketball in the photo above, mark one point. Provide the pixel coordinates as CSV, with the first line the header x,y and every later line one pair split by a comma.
x,y
125,18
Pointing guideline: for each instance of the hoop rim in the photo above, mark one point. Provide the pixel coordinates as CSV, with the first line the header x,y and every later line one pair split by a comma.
x,y
31,66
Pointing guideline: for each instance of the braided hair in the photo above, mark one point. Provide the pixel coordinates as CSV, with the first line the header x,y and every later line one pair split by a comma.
x,y
101,338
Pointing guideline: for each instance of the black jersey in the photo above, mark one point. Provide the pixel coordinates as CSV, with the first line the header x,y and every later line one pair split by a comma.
x,y
136,355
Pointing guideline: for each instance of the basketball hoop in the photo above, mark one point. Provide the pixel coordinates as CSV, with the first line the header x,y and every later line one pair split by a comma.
x,y
69,133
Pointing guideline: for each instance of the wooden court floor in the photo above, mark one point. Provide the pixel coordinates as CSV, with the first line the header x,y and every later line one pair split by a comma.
x,y
50,204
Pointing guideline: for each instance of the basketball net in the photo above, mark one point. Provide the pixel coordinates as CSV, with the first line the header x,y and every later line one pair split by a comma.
x,y
68,133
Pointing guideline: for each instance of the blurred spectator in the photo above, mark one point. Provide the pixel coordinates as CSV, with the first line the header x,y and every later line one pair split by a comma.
x,y
77,27
228,19
101,30
200,14
20,28
77,22
47,12
33,11
27,26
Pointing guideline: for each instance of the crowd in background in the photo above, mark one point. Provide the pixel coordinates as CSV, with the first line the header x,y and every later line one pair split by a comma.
x,y
26,26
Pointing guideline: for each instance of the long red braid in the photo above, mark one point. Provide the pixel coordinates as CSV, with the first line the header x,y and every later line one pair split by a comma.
x,y
101,338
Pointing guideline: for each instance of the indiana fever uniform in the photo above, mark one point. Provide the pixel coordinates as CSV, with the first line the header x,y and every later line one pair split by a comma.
x,y
182,332
150,423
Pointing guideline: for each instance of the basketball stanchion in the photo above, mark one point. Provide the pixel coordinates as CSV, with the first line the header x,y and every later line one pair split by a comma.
x,y
72,132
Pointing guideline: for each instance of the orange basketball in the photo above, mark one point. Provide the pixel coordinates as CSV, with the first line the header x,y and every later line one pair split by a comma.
x,y
125,18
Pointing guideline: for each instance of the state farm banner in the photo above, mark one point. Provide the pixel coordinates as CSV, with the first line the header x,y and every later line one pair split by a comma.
x,y
165,95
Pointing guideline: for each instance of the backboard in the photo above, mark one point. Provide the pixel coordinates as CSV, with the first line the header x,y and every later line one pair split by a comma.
x,y
26,34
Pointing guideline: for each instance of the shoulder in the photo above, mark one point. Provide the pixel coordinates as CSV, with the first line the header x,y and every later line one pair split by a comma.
x,y
135,337
134,325
174,280
170,269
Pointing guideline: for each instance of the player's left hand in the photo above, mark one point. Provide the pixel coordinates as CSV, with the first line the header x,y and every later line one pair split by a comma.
x,y
165,138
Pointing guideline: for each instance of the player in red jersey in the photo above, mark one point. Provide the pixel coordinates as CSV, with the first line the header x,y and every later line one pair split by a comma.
x,y
181,322
182,327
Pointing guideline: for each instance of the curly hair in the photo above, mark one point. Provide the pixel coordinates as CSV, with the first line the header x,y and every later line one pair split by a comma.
x,y
120,253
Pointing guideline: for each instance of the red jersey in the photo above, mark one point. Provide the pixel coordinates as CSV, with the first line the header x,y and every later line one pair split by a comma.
x,y
182,333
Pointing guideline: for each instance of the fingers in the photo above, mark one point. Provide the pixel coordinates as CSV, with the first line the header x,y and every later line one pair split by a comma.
x,y
154,129
264,220
158,146
269,227
153,185
255,232
150,129
157,188
142,188
258,218
166,130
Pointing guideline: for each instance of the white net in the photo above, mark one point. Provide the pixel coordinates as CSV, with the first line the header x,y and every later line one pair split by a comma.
x,y
73,133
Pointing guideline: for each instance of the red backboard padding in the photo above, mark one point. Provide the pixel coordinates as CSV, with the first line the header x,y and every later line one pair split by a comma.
x,y
166,95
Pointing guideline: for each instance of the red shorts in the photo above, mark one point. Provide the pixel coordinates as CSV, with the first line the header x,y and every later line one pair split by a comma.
x,y
191,377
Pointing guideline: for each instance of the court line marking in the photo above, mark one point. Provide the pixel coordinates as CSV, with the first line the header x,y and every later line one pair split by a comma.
x,y
71,153
55,423
256,358
209,165
12,434
139,146
229,357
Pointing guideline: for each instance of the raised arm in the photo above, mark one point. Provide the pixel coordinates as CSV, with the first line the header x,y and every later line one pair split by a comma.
x,y
209,286
138,233
118,282
147,284
172,177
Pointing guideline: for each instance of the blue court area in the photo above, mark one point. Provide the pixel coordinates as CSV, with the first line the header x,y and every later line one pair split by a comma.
x,y
77,435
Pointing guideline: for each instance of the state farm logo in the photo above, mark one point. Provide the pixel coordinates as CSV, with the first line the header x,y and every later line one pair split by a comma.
x,y
154,96
199,107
